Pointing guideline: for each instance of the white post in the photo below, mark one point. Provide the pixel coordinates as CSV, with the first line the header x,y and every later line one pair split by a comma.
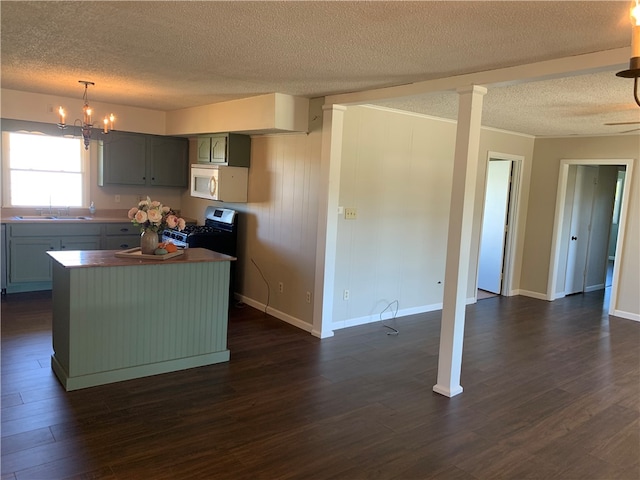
x,y
328,193
465,167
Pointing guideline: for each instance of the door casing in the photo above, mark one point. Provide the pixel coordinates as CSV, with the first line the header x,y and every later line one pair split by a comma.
x,y
552,281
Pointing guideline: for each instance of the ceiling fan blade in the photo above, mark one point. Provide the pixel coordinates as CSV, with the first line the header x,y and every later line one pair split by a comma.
x,y
632,130
622,123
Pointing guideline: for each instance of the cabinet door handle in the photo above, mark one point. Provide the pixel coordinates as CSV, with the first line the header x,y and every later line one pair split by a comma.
x,y
124,229
124,245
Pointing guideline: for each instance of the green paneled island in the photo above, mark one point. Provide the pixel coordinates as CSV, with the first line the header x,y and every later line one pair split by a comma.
x,y
120,318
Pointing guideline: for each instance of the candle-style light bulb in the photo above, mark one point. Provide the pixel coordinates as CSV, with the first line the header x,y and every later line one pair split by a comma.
x,y
112,119
87,114
61,115
635,13
106,125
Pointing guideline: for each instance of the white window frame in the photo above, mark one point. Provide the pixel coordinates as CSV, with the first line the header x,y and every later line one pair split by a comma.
x,y
85,159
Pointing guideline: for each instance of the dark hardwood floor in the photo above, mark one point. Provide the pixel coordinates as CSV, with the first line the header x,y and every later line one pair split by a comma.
x,y
551,391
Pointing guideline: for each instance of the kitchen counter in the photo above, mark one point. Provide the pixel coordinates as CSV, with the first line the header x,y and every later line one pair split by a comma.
x,y
9,215
116,319
107,258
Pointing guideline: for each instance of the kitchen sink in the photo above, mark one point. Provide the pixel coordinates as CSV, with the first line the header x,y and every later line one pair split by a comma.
x,y
51,217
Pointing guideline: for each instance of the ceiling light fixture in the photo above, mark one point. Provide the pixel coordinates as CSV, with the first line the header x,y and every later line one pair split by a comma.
x,y
86,124
634,62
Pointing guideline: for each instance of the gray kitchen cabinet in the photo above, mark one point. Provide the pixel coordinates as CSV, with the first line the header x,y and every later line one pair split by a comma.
x,y
3,265
29,266
146,160
232,149
168,161
123,160
121,236
29,262
28,259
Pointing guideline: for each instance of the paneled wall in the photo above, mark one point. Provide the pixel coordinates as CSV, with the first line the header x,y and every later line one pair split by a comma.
x,y
278,224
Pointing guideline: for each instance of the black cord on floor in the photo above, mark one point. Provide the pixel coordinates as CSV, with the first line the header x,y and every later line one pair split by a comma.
x,y
394,331
266,283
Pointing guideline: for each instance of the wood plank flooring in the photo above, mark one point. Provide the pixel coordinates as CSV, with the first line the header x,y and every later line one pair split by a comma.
x,y
551,391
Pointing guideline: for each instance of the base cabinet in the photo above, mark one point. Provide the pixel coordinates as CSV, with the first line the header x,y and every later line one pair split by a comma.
x,y
29,266
28,260
121,236
3,263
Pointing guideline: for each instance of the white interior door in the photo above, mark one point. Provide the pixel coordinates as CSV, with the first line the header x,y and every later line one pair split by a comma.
x,y
494,226
583,198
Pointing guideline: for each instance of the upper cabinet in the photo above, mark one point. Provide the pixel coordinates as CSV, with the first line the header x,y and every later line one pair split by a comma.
x,y
137,159
232,149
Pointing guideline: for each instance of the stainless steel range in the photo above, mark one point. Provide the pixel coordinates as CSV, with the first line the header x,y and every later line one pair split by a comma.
x,y
219,233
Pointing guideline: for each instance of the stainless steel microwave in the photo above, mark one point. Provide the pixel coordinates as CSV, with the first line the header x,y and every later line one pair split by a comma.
x,y
219,182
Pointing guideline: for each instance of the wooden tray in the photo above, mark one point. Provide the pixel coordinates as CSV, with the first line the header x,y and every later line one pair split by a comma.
x,y
137,254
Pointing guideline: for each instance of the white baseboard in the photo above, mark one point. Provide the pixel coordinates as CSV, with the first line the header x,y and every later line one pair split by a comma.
x,y
296,322
626,315
537,295
446,391
593,288
353,322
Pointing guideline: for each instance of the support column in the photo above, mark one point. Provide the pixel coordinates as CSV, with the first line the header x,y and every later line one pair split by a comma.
x,y
328,195
465,167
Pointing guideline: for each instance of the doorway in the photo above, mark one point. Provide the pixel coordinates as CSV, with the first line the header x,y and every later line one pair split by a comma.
x,y
498,218
581,242
589,207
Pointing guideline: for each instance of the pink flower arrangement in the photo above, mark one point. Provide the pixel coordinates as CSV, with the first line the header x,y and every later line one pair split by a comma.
x,y
152,215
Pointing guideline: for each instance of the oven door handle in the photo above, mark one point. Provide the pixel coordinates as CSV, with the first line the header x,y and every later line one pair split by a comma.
x,y
213,186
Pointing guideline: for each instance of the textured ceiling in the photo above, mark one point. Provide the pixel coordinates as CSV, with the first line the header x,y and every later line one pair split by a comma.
x,y
176,54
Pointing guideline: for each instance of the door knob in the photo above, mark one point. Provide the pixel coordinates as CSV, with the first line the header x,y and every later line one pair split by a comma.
x,y
574,238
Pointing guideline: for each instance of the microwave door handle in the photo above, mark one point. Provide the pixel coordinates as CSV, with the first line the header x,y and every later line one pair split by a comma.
x,y
213,186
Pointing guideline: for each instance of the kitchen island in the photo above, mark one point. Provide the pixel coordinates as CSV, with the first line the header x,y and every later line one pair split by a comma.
x,y
118,318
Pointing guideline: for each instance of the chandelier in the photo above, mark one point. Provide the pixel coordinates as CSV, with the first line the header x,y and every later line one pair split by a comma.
x,y
86,124
634,62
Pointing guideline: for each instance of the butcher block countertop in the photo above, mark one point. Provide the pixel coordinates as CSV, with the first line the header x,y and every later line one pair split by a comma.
x,y
107,258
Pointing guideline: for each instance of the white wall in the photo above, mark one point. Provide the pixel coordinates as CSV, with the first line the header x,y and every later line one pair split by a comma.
x,y
397,171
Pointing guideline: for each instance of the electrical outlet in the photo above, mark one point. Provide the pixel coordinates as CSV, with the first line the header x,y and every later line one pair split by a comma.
x,y
281,287
350,213
117,199
345,295
308,297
